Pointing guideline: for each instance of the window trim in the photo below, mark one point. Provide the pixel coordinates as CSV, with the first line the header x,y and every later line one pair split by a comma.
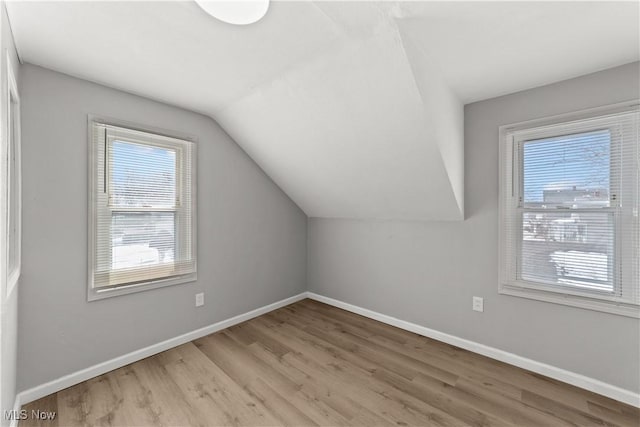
x,y
93,293
509,163
11,174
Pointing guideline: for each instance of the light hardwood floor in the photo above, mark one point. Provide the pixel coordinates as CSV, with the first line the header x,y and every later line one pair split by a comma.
x,y
312,364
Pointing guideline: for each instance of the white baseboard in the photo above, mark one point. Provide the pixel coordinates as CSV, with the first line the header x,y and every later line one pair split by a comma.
x,y
563,375
569,377
56,385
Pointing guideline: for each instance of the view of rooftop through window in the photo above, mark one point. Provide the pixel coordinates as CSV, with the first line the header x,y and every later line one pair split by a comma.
x,y
571,245
571,170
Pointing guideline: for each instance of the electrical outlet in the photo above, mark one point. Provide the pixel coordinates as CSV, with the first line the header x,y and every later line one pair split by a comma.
x,y
200,299
478,304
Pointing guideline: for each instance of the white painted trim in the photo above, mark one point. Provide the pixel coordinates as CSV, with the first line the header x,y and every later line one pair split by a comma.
x,y
61,383
17,404
563,375
13,143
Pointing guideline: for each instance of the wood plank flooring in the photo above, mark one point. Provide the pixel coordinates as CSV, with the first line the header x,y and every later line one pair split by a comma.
x,y
313,364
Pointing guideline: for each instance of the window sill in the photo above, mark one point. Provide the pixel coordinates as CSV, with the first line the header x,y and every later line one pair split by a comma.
x,y
618,308
98,294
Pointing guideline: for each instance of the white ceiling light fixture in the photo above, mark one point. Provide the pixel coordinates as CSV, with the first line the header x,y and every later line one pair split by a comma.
x,y
238,12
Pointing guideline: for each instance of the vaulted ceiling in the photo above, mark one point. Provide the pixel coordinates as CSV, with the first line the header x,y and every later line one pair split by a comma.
x,y
355,109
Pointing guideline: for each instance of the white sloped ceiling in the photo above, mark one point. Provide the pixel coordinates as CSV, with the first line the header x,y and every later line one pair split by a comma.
x,y
355,109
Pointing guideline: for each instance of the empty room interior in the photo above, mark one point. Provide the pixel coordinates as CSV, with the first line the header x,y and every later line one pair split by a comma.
x,y
319,213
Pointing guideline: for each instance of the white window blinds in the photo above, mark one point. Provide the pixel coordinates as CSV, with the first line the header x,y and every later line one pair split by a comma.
x,y
142,222
569,210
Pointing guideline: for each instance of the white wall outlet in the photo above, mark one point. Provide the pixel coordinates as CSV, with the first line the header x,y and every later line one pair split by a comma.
x,y
478,304
200,299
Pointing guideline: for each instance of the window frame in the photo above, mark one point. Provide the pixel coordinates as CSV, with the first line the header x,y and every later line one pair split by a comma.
x,y
96,150
511,141
13,174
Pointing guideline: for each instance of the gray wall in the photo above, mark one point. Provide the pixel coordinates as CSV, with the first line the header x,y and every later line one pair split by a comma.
x,y
251,236
427,272
9,303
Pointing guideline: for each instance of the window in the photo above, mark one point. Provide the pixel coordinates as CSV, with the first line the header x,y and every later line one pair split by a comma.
x,y
142,213
13,180
569,210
